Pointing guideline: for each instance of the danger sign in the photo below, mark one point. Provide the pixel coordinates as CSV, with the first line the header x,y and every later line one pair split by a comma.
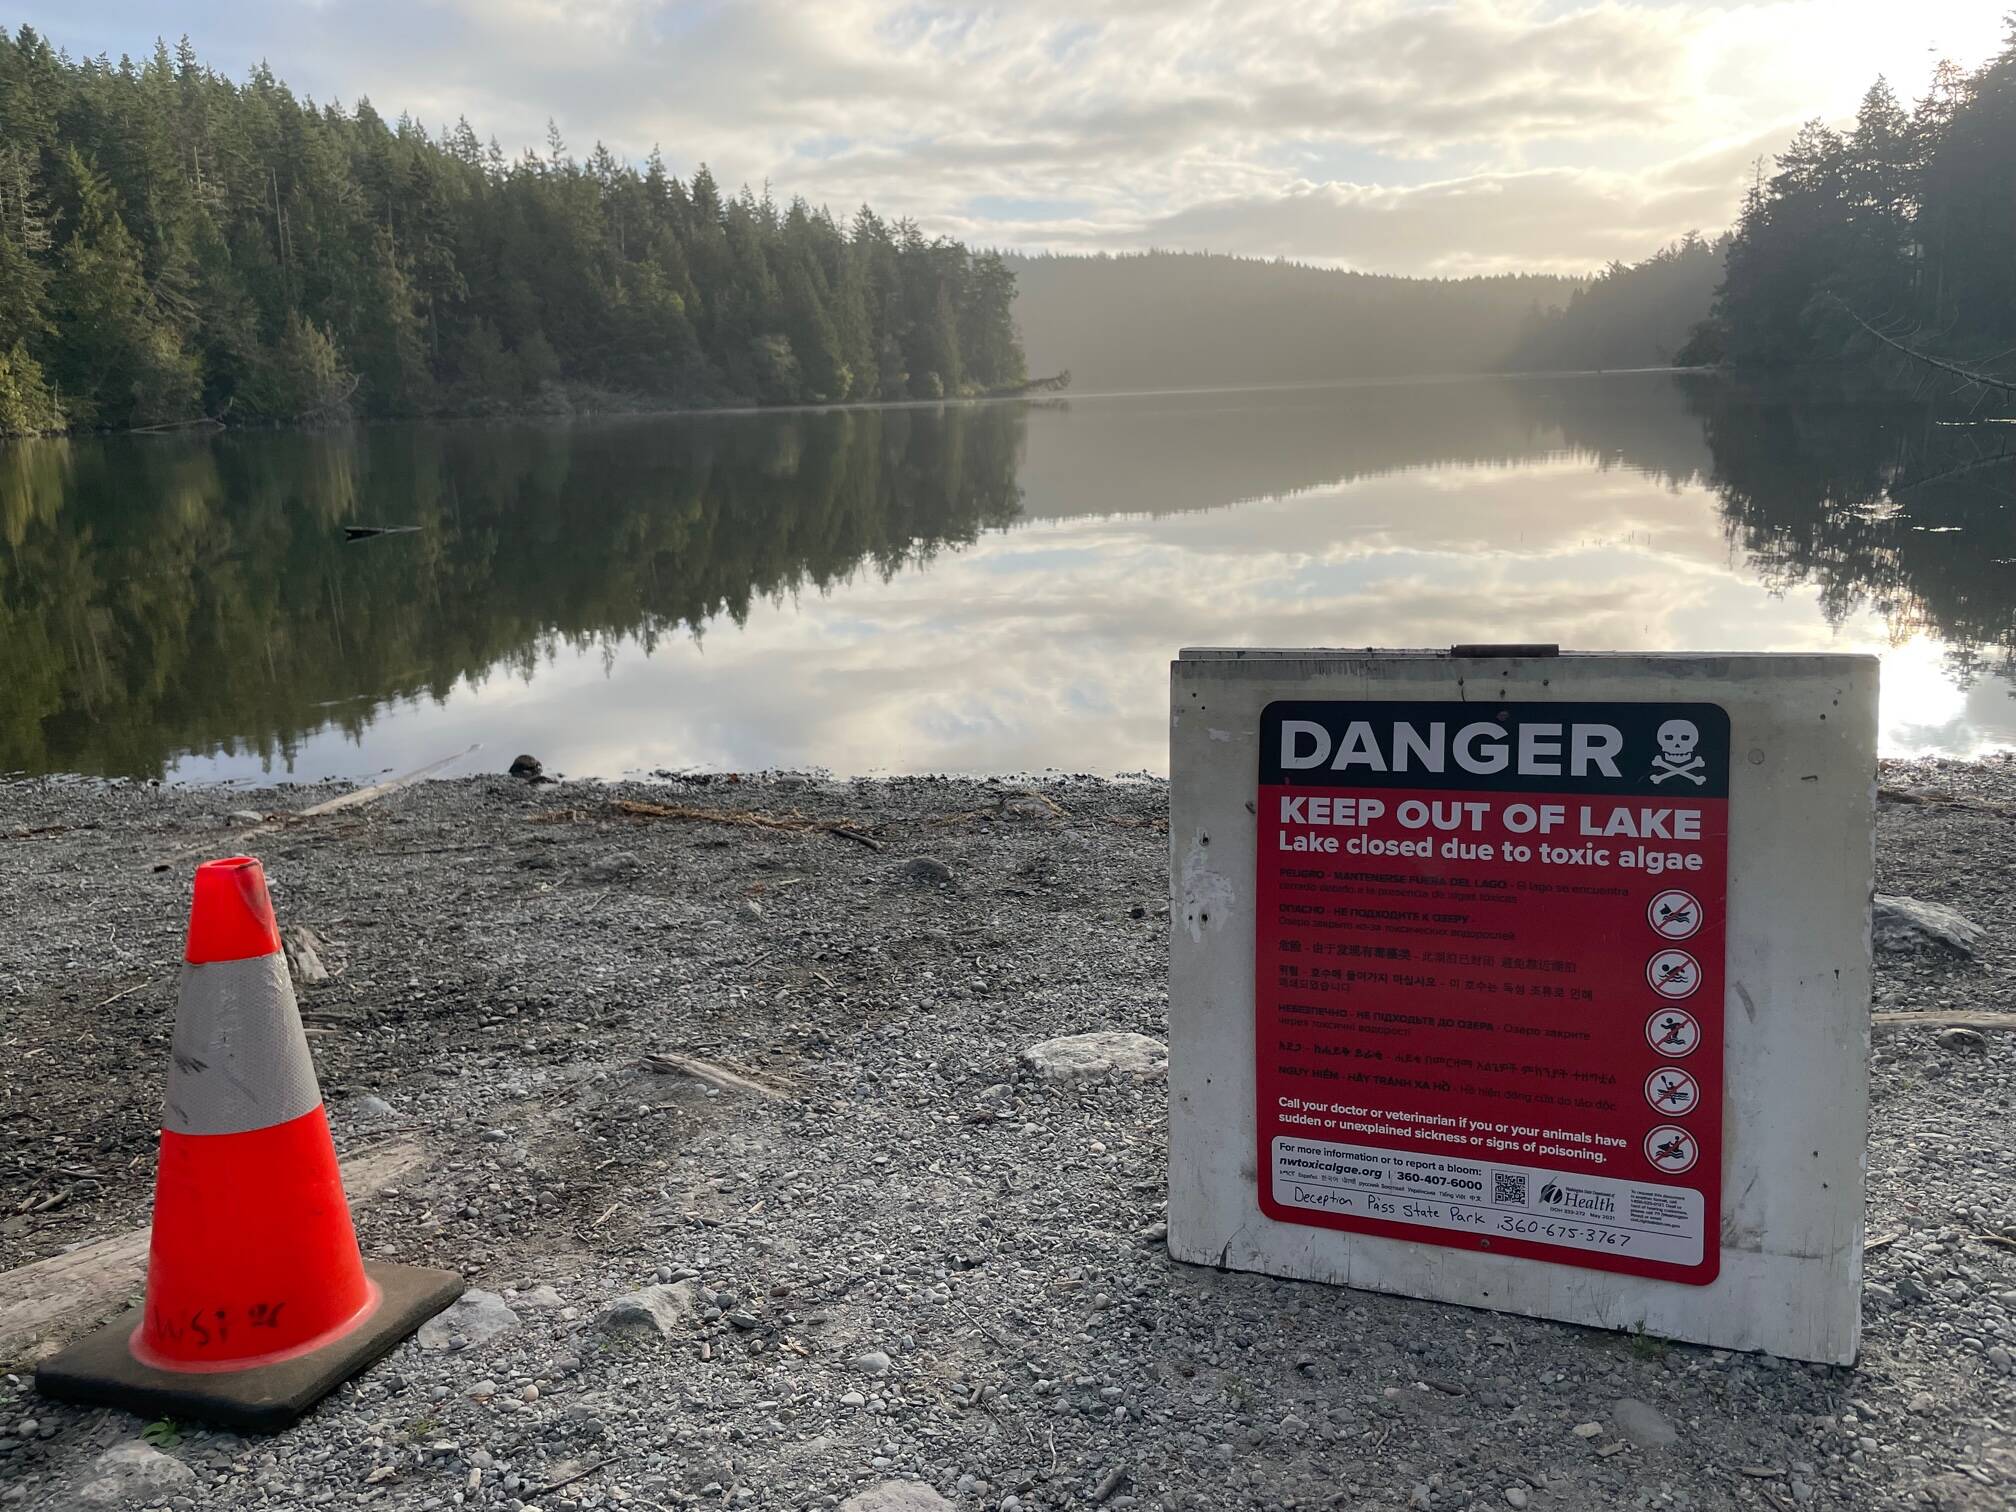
x,y
1488,976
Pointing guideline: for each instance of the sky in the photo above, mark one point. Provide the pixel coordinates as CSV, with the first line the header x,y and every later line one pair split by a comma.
x,y
1440,137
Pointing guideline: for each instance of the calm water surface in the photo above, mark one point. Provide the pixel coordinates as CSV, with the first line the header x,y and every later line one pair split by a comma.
x,y
973,589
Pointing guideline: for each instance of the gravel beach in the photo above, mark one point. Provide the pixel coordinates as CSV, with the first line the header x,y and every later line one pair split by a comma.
x,y
725,1107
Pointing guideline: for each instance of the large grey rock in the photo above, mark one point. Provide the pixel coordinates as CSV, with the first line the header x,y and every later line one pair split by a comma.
x,y
925,869
1643,1424
897,1496
660,1310
1904,924
476,1319
1078,1057
131,1475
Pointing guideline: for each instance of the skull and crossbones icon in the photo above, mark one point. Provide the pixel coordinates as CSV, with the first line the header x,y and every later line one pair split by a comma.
x,y
1677,756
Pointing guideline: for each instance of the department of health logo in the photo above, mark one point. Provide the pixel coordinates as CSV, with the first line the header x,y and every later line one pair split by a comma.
x,y
1574,1199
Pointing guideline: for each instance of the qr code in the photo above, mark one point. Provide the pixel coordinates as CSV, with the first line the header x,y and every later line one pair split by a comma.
x,y
1507,1189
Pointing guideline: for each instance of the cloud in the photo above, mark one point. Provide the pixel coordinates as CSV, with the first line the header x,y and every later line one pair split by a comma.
x,y
1393,134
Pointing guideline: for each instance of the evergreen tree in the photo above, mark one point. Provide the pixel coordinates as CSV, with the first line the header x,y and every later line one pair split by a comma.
x,y
174,244
120,362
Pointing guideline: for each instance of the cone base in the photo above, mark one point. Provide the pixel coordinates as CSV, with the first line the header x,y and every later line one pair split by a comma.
x,y
100,1371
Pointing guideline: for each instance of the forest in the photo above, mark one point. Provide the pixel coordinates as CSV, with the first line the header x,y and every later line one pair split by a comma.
x,y
1907,219
175,246
1158,320
1905,222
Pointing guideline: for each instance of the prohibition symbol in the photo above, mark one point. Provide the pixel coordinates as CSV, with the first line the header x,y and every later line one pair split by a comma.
x,y
1673,1032
1671,1149
1673,974
1674,914
1672,1091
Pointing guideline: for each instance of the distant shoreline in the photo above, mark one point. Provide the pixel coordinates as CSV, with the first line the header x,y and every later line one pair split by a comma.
x,y
533,414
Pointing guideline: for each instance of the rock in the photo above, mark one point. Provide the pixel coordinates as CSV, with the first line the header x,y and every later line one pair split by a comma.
x,y
133,1474
539,1299
1903,924
1586,1430
1999,1356
925,869
369,1106
1078,1057
1029,806
1962,1041
1643,1424
528,768
897,1496
874,1363
244,816
749,911
613,867
476,1319
1515,1496
482,1390
656,1309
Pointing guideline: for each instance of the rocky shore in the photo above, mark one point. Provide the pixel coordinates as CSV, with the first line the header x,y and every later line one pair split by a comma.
x,y
739,1104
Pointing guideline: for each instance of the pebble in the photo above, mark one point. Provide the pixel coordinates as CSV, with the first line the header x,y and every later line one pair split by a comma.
x,y
874,1363
614,866
1515,1496
1081,1057
133,1473
657,1309
926,869
1962,1041
477,1318
1643,1424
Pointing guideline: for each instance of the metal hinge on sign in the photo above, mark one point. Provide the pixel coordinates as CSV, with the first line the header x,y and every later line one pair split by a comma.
x,y
1535,649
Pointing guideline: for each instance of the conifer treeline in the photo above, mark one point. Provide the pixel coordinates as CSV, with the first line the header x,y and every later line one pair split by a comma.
x,y
1907,216
176,245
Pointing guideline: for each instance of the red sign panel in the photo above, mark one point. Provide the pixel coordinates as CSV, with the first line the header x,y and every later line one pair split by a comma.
x,y
1489,977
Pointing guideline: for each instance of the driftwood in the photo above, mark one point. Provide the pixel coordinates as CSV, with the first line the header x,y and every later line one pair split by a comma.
x,y
1891,1022
1944,800
667,1064
313,811
1967,375
55,1299
790,823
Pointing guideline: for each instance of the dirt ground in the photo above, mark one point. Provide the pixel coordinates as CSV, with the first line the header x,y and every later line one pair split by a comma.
x,y
898,1254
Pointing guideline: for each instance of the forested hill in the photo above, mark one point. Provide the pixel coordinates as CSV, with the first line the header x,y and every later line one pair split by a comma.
x,y
1904,222
175,245
1192,320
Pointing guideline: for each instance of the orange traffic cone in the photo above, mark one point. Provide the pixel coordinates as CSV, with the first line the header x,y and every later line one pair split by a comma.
x,y
258,1302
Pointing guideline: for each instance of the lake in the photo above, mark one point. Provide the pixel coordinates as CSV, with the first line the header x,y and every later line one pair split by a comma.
x,y
973,588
